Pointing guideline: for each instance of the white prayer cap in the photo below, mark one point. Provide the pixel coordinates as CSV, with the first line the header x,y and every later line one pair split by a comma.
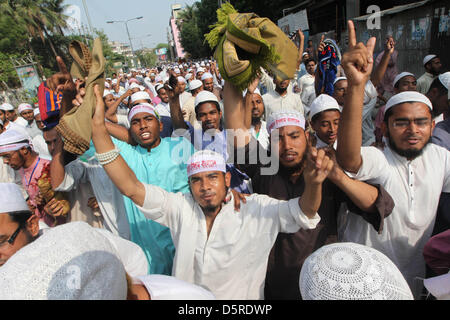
x,y
200,70
106,92
188,76
181,79
445,79
162,287
195,84
205,96
305,53
142,107
159,87
72,261
322,103
107,85
207,75
36,112
177,71
338,79
141,95
202,64
286,118
6,107
350,271
134,86
428,58
11,198
205,160
402,75
24,106
12,140
108,79
255,92
114,81
152,74
439,286
197,65
407,96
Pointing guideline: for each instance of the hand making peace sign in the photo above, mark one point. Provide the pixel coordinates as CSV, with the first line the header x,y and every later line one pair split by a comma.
x,y
358,59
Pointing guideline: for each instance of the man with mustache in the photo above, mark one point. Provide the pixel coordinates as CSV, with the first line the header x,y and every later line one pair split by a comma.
x,y
289,147
411,169
217,247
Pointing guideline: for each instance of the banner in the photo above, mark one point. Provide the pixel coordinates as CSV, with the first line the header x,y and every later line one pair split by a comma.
x,y
29,78
294,21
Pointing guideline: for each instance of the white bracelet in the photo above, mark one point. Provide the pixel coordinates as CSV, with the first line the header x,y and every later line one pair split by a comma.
x,y
107,157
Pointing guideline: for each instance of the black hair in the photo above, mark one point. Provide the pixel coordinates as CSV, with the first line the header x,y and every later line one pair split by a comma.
x,y
309,60
21,217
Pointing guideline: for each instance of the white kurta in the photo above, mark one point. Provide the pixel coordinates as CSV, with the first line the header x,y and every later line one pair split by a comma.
x,y
263,137
273,102
415,186
109,198
424,82
232,261
163,109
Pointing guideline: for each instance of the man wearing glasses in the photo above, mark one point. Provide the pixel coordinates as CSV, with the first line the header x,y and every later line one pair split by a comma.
x,y
411,169
18,226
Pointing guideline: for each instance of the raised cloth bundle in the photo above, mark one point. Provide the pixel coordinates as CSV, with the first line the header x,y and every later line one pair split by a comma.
x,y
75,125
245,42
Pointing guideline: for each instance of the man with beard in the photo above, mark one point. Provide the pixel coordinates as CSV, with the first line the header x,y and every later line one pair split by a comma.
x,y
432,64
218,248
254,111
289,146
411,169
281,98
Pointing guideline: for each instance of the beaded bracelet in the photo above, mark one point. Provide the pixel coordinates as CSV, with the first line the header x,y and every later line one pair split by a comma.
x,y
107,157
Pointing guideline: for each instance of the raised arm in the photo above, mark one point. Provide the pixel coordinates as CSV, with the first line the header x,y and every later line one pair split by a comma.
x,y
234,110
118,170
300,48
111,112
381,68
176,115
357,63
318,166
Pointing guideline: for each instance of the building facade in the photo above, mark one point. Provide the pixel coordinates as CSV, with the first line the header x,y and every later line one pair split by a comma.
x,y
174,36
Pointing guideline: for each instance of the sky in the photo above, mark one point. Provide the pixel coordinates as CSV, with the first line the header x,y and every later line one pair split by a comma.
x,y
156,15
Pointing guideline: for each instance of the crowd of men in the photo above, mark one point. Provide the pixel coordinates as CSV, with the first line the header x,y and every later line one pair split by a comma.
x,y
236,195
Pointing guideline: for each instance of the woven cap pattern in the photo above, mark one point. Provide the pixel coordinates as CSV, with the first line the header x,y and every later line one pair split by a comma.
x,y
350,271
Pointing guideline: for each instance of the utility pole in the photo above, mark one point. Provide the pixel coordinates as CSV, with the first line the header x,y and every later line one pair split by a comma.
x,y
88,18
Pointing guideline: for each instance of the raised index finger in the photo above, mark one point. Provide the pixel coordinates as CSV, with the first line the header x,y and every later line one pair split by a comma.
x,y
62,66
351,34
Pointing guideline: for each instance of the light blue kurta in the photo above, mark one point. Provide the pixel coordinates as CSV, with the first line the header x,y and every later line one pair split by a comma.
x,y
165,167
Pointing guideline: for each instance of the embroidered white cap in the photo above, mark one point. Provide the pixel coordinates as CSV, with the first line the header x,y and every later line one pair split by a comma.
x,y
142,107
278,120
12,140
205,160
141,95
24,106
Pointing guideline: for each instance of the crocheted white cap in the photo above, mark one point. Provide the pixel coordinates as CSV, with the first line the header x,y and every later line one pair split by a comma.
x,y
68,262
6,107
350,271
445,79
285,118
205,96
205,160
207,75
141,95
24,106
195,84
